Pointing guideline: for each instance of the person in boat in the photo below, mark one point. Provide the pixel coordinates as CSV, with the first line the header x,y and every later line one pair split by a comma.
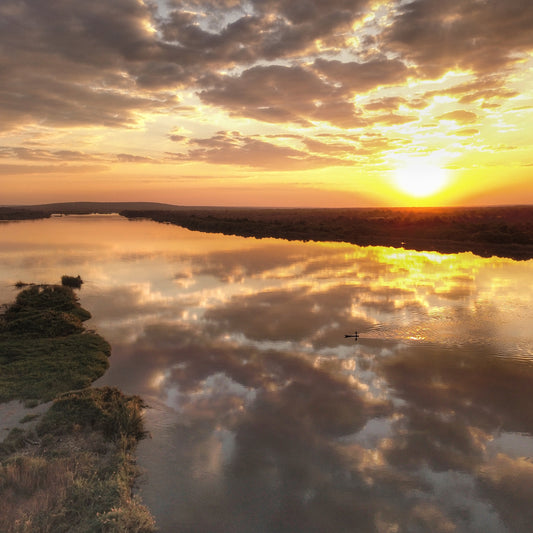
x,y
354,336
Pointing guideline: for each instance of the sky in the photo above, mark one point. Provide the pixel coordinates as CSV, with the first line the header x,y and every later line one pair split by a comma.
x,y
267,102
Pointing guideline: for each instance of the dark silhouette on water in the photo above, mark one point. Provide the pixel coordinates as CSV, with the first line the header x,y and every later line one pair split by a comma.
x,y
354,336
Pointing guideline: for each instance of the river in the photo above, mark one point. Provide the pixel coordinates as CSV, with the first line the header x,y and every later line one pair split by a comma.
x,y
264,418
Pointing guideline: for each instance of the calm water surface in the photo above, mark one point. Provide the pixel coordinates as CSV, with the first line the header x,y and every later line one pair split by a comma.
x,y
264,418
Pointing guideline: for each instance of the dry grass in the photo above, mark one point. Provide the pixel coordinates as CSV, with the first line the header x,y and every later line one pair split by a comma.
x,y
76,476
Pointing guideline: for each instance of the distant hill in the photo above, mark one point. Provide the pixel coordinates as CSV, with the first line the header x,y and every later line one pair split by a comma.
x,y
83,208
25,212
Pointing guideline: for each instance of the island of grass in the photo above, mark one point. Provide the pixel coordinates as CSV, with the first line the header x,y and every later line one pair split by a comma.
x,y
74,470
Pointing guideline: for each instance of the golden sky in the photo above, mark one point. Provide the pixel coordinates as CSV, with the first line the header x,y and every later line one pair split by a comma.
x,y
267,102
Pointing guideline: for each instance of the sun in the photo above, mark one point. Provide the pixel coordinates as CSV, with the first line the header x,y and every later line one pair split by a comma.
x,y
420,179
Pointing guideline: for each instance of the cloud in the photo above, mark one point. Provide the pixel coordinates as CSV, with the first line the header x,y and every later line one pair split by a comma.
x,y
130,158
39,154
303,96
233,148
393,103
508,483
485,391
69,63
460,116
484,88
274,93
254,263
261,29
81,64
15,169
467,132
481,37
362,77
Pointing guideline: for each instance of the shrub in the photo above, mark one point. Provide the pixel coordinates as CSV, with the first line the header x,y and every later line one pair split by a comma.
x,y
71,281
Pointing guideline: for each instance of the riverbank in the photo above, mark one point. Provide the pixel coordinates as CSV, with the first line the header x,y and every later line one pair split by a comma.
x,y
505,231
69,467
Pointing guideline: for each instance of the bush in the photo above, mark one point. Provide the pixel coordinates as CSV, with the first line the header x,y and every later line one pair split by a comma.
x,y
71,281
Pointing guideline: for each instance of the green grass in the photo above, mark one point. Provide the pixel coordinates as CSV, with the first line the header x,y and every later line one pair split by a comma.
x,y
43,368
44,348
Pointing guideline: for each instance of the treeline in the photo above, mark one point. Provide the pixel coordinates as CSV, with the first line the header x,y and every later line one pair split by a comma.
x,y
20,213
25,212
503,231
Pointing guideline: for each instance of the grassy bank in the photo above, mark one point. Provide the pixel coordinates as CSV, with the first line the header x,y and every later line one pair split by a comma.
x,y
74,470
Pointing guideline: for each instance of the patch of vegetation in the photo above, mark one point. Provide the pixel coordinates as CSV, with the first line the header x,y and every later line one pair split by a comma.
x,y
71,281
79,473
42,368
75,471
44,347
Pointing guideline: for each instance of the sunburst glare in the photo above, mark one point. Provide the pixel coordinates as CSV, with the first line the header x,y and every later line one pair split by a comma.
x,y
421,178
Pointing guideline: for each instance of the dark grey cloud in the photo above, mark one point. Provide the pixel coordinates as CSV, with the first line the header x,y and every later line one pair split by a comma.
x,y
233,148
358,77
258,262
71,63
261,29
508,483
480,36
68,64
301,95
272,94
131,158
